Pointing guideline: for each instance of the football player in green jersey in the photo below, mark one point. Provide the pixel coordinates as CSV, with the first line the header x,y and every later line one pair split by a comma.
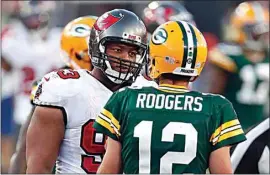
x,y
240,70
169,129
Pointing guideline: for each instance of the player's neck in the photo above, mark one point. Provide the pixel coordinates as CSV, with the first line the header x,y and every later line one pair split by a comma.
x,y
174,82
99,75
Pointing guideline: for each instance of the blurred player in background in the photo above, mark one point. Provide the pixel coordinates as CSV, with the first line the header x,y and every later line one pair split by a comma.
x,y
74,52
7,111
7,122
157,13
169,129
30,47
68,101
8,139
240,71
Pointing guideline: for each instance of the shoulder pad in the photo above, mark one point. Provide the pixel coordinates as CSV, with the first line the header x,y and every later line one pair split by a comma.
x,y
221,99
57,86
218,98
64,81
211,94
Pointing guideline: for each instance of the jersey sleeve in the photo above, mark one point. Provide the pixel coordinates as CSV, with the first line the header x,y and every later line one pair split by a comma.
x,y
60,89
219,56
33,91
48,92
227,129
108,120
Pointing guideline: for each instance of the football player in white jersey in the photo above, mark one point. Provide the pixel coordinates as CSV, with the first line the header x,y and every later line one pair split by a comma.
x,y
74,51
30,47
68,101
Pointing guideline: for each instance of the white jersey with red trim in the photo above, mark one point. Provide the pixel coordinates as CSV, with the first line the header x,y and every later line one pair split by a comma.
x,y
80,97
31,58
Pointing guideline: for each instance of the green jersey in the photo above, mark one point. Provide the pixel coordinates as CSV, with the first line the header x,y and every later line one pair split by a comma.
x,y
248,83
168,129
33,91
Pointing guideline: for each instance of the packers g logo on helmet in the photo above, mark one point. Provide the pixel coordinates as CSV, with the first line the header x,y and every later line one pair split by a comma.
x,y
74,42
80,30
181,42
159,36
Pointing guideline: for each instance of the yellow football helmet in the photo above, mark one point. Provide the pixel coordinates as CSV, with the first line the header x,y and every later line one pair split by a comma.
x,y
179,48
74,42
247,24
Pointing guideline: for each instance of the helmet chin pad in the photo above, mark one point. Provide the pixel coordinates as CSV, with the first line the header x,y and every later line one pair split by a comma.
x,y
117,77
118,70
128,70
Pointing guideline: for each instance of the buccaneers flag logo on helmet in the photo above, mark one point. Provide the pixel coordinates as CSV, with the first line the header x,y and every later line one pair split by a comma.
x,y
107,20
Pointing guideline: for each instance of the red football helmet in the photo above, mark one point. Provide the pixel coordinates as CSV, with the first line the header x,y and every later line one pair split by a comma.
x,y
159,12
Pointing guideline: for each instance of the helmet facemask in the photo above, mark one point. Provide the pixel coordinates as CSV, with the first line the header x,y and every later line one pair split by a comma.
x,y
256,36
119,70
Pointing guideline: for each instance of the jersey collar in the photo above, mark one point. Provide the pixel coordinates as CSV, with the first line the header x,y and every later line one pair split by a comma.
x,y
172,88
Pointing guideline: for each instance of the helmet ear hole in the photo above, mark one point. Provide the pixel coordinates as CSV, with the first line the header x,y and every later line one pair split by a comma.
x,y
78,56
153,61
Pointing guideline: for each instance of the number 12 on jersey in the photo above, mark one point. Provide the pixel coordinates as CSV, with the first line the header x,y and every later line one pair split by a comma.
x,y
143,131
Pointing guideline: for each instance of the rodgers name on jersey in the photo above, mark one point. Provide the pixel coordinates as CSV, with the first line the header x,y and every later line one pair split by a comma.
x,y
175,102
80,97
178,136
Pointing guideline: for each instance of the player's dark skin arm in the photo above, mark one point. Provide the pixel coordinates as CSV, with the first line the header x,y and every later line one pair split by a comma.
x,y
43,140
18,160
218,79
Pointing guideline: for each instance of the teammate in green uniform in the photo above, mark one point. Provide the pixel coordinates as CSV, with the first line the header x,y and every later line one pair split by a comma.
x,y
240,71
169,129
